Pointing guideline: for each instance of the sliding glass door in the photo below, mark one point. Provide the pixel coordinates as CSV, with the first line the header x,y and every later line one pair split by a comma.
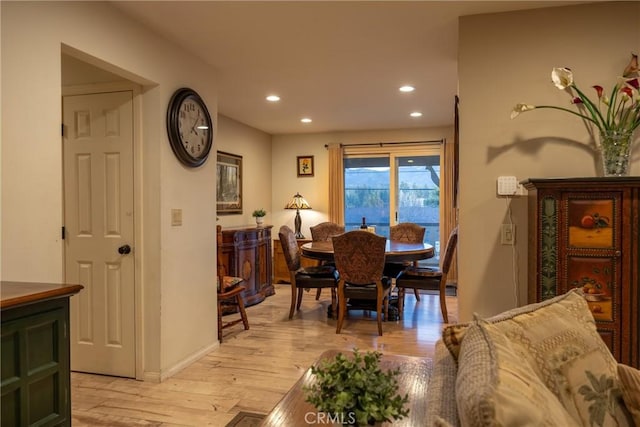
x,y
393,187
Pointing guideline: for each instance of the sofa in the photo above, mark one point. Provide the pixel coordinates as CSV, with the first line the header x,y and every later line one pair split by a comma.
x,y
542,364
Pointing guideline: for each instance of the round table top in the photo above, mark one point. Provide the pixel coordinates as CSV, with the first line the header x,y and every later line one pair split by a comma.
x,y
395,251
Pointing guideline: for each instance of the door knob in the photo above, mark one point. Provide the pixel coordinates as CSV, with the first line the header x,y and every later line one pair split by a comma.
x,y
124,249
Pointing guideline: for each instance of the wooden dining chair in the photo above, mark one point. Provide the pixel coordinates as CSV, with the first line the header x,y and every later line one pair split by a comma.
x,y
312,277
321,233
404,232
230,291
359,257
418,278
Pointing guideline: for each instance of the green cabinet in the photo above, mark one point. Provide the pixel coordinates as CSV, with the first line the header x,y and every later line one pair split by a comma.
x,y
35,389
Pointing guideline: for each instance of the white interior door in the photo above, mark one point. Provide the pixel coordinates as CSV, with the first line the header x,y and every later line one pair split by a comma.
x,y
99,230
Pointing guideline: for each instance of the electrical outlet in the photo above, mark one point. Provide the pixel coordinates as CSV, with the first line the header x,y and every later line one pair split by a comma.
x,y
507,235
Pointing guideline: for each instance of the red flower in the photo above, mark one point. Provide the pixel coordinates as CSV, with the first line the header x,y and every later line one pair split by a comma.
x,y
634,83
627,91
577,100
599,89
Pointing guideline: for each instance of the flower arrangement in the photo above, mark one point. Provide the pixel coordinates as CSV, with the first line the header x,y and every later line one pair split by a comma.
x,y
620,112
259,213
616,116
356,390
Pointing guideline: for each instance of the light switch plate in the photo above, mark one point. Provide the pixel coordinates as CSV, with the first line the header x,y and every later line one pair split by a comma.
x,y
176,217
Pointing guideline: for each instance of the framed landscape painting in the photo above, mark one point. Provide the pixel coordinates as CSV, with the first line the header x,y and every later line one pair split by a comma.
x,y
228,184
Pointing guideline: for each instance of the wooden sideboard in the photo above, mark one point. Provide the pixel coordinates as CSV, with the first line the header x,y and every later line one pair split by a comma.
x,y
246,253
584,233
280,269
35,353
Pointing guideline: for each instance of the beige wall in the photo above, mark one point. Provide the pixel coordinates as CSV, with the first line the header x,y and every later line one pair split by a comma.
x,y
315,189
176,281
255,148
506,59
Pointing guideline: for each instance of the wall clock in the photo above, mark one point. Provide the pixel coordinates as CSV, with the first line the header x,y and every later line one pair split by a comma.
x,y
189,127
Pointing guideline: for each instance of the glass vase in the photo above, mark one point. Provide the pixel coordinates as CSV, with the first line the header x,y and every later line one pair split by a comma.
x,y
614,148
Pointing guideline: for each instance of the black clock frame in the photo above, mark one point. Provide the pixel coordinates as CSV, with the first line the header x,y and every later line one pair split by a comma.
x,y
173,132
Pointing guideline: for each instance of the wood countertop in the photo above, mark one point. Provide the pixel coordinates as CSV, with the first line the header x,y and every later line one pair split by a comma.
x,y
14,294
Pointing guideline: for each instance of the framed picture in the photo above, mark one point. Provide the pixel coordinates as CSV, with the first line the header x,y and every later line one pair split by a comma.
x,y
305,165
228,184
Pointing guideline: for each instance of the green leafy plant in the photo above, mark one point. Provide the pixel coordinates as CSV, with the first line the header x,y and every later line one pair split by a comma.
x,y
355,389
258,213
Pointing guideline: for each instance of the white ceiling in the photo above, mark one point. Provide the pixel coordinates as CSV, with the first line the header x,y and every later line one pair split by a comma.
x,y
339,62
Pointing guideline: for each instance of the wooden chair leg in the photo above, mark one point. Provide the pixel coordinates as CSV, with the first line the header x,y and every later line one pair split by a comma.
x,y
400,303
443,301
294,289
243,312
334,305
341,310
300,290
318,292
417,294
379,312
219,322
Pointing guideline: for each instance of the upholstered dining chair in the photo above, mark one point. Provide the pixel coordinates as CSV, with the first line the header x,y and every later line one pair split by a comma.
x,y
359,257
323,232
230,291
404,232
418,278
312,277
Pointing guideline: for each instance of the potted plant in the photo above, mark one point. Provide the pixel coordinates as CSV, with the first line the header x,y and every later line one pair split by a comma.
x,y
355,391
259,214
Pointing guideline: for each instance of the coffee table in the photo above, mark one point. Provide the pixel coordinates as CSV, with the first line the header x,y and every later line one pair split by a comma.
x,y
294,411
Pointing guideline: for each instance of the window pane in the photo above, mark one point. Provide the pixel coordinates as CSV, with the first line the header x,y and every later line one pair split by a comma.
x,y
366,188
418,196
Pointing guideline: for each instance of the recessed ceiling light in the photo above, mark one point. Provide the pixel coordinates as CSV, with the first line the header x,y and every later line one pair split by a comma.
x,y
273,98
416,114
306,120
407,88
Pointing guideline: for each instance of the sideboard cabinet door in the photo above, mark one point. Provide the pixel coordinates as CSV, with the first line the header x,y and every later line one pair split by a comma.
x,y
35,364
583,233
246,253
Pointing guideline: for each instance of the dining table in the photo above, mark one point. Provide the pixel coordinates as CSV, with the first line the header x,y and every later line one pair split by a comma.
x,y
395,251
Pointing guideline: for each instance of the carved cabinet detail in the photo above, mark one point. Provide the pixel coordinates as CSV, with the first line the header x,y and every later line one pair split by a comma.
x,y
246,253
583,233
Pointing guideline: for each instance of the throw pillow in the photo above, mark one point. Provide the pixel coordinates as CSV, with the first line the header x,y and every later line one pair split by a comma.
x,y
496,387
454,334
589,390
630,386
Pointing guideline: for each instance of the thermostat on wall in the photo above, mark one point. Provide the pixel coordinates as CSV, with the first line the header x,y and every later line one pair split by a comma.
x,y
507,186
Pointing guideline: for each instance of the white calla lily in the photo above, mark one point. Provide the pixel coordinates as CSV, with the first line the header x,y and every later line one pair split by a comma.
x,y
521,108
562,78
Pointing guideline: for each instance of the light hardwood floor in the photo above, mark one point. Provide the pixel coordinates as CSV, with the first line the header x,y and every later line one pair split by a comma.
x,y
253,369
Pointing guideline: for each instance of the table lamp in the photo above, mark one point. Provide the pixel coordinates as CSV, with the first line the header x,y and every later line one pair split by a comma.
x,y
298,202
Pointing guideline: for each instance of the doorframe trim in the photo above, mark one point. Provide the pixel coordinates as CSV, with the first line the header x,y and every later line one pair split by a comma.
x,y
136,92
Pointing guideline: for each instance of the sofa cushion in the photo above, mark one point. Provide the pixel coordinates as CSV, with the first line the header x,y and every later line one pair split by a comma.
x,y
553,338
441,400
630,386
569,302
589,390
495,386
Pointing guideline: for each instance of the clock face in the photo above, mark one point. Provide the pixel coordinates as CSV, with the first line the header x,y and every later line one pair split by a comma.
x,y
189,127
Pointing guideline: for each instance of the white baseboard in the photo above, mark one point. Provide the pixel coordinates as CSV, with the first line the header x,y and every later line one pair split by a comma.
x,y
159,377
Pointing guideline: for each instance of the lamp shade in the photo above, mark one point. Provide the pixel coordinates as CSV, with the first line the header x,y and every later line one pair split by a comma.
x,y
298,202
